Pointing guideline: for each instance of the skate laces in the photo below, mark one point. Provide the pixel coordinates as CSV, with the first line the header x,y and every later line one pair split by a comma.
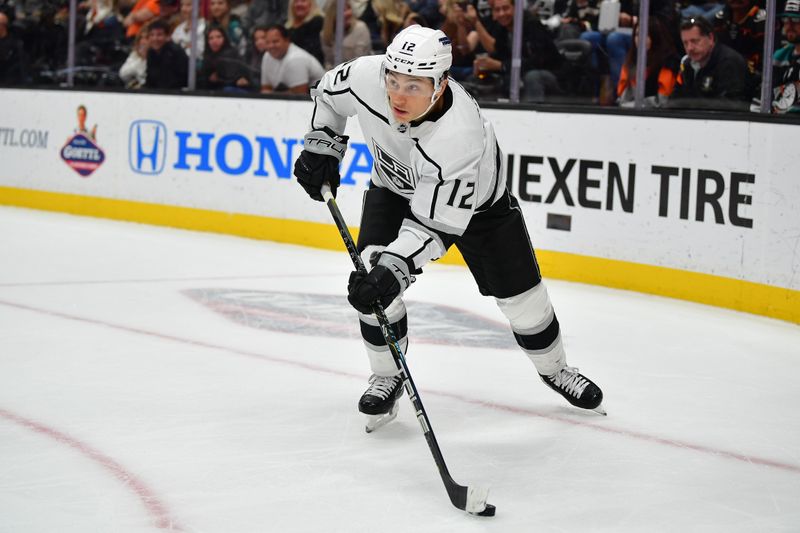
x,y
382,387
569,380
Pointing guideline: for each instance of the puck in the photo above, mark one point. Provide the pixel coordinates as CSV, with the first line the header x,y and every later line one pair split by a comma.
x,y
489,511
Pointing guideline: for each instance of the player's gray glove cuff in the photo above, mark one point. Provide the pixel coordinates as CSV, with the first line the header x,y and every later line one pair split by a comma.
x,y
319,161
326,142
398,266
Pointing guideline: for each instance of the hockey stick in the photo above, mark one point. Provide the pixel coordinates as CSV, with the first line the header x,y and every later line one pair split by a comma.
x,y
470,499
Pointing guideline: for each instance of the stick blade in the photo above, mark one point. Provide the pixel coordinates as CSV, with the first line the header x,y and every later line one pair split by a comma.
x,y
476,502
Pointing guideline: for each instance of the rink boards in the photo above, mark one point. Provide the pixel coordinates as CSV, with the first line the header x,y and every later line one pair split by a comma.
x,y
695,209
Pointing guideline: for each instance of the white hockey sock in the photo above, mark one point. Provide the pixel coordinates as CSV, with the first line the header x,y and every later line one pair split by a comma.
x,y
550,361
536,328
380,358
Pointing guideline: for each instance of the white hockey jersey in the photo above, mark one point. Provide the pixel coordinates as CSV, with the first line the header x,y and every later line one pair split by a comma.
x,y
449,166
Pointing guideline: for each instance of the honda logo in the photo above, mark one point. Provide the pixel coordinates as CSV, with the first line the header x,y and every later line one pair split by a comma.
x,y
147,146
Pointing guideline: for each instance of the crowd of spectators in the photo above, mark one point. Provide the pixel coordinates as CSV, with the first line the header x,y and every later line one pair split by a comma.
x,y
699,53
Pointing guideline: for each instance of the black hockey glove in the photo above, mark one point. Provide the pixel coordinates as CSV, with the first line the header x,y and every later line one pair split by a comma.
x,y
363,289
385,282
312,170
319,161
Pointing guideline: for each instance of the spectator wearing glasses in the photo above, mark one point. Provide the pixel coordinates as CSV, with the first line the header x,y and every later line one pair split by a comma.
x,y
711,73
786,62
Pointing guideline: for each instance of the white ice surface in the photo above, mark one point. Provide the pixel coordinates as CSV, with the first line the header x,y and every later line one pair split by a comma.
x,y
127,406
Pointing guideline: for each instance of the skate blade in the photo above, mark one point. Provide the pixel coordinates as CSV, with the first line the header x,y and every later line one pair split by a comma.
x,y
377,421
599,409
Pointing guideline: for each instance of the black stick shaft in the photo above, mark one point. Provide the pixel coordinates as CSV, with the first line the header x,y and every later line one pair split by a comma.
x,y
457,493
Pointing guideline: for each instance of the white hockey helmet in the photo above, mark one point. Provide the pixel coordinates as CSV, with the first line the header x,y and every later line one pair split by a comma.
x,y
418,51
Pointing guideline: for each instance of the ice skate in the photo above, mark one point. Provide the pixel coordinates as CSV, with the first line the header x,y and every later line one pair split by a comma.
x,y
579,390
379,401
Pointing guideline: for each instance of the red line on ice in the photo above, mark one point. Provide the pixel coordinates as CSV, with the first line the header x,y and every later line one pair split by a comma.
x,y
629,433
161,515
716,452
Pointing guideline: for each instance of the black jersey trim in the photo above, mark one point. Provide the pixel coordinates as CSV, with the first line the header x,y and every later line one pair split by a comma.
x,y
441,179
434,198
422,248
498,163
314,113
447,238
409,261
515,205
447,103
360,101
497,160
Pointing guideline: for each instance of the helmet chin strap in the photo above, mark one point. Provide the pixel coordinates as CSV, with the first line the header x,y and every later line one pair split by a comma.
x,y
434,98
437,89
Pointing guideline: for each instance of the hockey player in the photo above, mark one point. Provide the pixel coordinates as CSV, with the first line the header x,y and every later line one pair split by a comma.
x,y
438,180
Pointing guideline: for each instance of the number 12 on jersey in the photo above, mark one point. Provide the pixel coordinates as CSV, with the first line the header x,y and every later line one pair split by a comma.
x,y
465,194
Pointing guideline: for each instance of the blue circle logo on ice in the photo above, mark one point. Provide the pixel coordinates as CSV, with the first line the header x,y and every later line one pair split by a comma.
x,y
318,315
